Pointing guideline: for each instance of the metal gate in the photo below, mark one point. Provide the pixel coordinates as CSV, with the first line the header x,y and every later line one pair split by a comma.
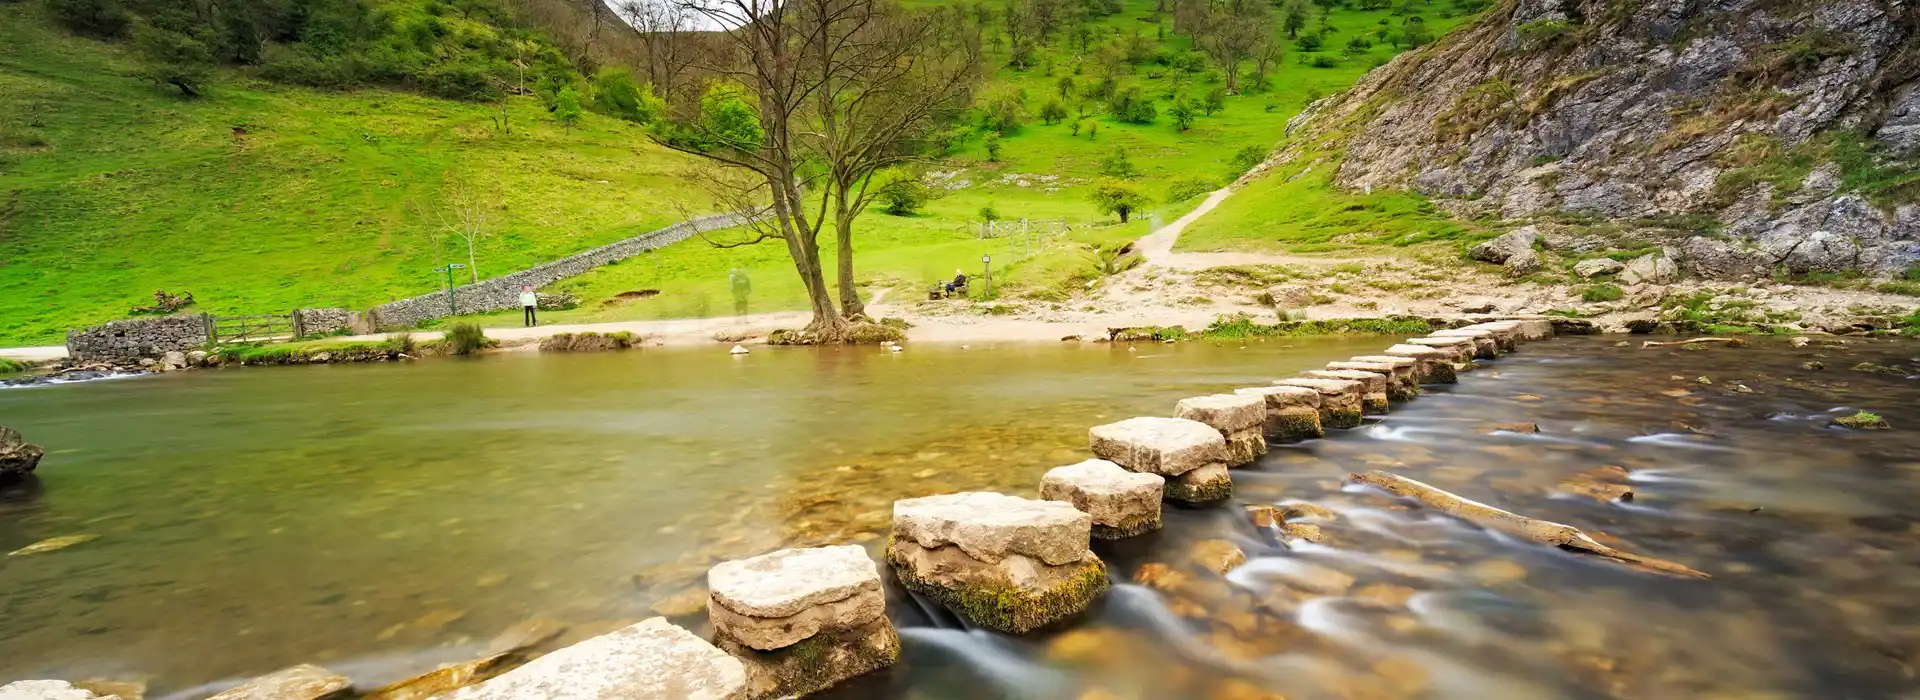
x,y
250,329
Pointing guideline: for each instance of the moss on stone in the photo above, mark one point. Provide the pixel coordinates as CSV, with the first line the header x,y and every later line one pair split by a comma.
x,y
817,662
1133,525
997,604
1211,491
1862,421
1293,427
1374,404
1340,417
1403,393
1441,373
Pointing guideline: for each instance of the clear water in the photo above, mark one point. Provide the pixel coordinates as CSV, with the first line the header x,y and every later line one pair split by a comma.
x,y
381,519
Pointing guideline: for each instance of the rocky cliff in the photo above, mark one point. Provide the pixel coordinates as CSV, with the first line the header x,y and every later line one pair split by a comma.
x,y
1745,136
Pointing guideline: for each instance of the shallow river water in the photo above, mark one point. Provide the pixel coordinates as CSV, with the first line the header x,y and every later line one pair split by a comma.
x,y
382,519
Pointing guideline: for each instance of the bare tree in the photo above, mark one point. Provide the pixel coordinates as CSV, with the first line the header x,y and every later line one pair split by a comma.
x,y
839,89
463,214
665,29
1230,31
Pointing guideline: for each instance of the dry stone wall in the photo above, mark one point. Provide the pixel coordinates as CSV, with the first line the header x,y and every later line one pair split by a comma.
x,y
322,321
502,293
135,338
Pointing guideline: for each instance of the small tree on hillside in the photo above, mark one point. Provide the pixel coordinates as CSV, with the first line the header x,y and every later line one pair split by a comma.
x,y
169,58
463,214
566,109
1183,113
1053,112
1216,101
1114,197
1117,164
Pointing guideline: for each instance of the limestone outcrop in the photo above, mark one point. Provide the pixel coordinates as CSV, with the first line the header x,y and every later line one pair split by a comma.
x,y
652,660
1005,563
1190,454
18,458
1240,419
802,620
1121,503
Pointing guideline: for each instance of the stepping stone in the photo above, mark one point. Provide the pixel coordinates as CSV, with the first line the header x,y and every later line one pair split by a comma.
x,y
1463,349
1293,412
802,620
1506,332
1208,484
303,682
1008,564
1436,365
1485,346
1535,328
1160,445
1373,400
1340,399
1401,383
1121,503
652,660
1240,420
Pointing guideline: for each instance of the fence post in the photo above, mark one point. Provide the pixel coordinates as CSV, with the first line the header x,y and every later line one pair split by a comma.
x,y
299,328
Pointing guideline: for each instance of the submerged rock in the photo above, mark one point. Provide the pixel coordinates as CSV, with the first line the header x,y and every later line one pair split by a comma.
x,y
652,660
1008,564
52,544
1121,503
303,682
18,458
1862,421
1216,555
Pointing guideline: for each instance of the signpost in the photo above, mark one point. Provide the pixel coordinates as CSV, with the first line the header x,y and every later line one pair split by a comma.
x,y
452,310
986,261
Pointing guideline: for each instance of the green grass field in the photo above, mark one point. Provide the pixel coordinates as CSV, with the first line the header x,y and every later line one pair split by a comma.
x,y
111,188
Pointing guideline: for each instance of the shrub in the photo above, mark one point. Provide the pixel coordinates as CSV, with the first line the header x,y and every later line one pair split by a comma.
x,y
104,18
988,213
1117,164
1186,188
1324,61
1132,106
173,59
403,343
1247,157
1004,112
618,96
902,194
466,339
1183,113
993,148
1216,100
1053,113
1602,292
1114,258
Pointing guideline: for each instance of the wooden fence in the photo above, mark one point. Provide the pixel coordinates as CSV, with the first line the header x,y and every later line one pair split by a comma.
x,y
255,328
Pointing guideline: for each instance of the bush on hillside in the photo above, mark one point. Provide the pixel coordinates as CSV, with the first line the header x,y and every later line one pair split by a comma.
x,y
101,18
1186,188
1053,112
1119,198
617,95
1130,105
902,194
1118,164
172,59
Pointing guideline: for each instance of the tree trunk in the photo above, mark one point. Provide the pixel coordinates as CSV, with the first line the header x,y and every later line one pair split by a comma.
x,y
850,304
473,267
804,247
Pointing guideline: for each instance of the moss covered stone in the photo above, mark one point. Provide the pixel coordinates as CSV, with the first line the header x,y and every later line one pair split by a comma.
x,y
1295,424
986,595
1862,421
1208,484
816,663
1129,527
1441,373
1374,404
1340,416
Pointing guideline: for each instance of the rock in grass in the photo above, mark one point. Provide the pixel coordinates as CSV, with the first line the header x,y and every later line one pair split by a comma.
x,y
18,458
303,682
652,660
1862,421
1009,564
802,620
1505,246
1121,503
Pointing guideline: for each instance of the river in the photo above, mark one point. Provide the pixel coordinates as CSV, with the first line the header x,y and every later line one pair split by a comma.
x,y
381,519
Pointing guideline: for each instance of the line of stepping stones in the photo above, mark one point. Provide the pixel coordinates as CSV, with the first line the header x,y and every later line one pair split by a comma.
x,y
798,621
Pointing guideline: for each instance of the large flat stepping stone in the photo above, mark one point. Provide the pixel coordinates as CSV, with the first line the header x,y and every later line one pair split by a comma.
x,y
1340,399
652,660
1436,365
303,682
1121,503
1293,412
1403,383
1485,344
990,526
1463,349
1164,446
1239,418
777,600
1373,400
1507,332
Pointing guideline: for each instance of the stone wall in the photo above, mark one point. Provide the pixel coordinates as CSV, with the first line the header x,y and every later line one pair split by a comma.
x,y
322,321
137,337
502,293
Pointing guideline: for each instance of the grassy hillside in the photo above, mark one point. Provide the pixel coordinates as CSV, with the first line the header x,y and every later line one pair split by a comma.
x,y
908,254
261,197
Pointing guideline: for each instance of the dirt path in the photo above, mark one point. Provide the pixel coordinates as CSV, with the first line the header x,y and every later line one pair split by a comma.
x,y
40,354
1157,247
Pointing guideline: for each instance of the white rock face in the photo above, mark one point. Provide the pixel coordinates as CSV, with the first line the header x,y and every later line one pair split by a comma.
x,y
46,690
990,526
788,581
1652,268
1121,503
1598,266
1227,413
653,660
1164,446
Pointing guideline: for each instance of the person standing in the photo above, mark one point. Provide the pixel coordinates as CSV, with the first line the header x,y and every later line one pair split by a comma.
x,y
528,302
742,288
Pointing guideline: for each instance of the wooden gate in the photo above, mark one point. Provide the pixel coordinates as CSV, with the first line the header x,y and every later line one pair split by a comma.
x,y
250,329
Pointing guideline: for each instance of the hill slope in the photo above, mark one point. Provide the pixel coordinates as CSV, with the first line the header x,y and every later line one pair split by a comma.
x,y
261,197
1749,137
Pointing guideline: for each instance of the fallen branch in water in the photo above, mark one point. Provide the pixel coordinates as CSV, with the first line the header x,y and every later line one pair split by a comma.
x,y
1547,533
1731,342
